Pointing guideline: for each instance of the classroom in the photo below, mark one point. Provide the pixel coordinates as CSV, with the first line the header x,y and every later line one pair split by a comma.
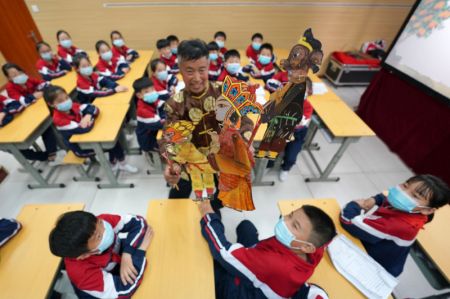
x,y
224,149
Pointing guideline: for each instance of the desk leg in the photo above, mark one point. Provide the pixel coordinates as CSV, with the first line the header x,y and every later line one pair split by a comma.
x,y
104,163
337,156
260,167
42,182
126,147
312,130
59,139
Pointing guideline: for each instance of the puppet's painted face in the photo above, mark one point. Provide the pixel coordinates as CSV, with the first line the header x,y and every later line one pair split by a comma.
x,y
222,108
300,60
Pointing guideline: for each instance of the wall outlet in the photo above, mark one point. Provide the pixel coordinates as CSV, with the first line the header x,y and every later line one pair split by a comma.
x,y
34,8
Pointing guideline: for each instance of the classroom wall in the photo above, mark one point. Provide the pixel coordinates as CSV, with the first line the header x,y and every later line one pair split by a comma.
x,y
339,25
3,79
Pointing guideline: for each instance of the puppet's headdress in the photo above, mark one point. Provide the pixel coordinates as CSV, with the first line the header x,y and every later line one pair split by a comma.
x,y
241,96
309,41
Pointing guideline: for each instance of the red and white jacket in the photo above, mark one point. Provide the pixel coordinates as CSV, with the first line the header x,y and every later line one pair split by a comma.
x,y
68,53
124,51
172,63
277,81
163,87
52,69
149,113
267,71
112,68
215,69
252,54
9,107
24,93
94,86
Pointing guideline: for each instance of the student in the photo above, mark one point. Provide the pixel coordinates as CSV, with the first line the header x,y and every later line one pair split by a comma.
x,y
294,147
150,115
277,267
99,263
279,80
49,65
215,62
26,91
8,107
66,49
232,67
91,85
163,82
264,68
220,38
173,44
8,229
388,225
73,118
252,51
165,54
109,65
120,49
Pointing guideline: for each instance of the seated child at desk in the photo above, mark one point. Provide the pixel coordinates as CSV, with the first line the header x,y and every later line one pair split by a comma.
x,y
220,38
8,107
232,67
279,80
110,65
165,54
253,49
150,115
49,65
277,267
264,67
215,62
73,118
66,49
91,85
388,225
173,44
120,49
26,91
99,263
163,82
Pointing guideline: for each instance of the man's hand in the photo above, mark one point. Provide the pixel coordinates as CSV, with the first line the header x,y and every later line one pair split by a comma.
x,y
38,94
86,121
172,174
366,204
205,207
148,237
121,88
128,272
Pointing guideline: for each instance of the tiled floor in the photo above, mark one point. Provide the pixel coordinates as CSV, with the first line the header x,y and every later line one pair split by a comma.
x,y
365,169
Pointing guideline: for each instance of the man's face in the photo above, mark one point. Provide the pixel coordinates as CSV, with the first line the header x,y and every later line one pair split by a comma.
x,y
300,226
195,74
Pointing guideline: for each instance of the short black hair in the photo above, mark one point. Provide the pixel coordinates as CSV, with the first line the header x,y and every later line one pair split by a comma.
x,y
323,228
142,83
40,44
78,57
9,65
162,43
51,92
266,46
220,34
432,188
72,231
59,32
115,32
257,35
99,43
155,62
231,53
192,49
212,46
172,38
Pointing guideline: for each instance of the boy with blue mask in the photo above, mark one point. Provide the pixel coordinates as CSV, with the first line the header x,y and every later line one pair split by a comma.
x,y
215,61
254,48
264,68
232,66
166,55
220,38
120,49
388,225
173,43
150,115
277,267
164,83
99,263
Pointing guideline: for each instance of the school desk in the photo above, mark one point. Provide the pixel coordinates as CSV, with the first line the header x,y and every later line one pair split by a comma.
x,y
27,267
179,261
104,136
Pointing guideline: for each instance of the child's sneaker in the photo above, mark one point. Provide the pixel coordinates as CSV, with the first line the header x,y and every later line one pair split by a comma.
x,y
58,158
283,175
127,167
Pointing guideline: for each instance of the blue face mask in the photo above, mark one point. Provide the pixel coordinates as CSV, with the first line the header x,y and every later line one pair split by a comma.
x,y
118,42
106,55
65,106
264,59
20,79
213,56
220,43
150,97
162,76
174,50
256,46
400,200
47,56
67,43
233,68
87,70
108,237
284,235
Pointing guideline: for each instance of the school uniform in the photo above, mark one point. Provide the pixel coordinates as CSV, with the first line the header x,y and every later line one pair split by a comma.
x,y
98,276
9,107
172,63
215,69
125,51
267,71
387,234
277,81
89,88
68,53
252,54
222,52
52,69
8,229
163,87
113,68
240,76
267,269
150,119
